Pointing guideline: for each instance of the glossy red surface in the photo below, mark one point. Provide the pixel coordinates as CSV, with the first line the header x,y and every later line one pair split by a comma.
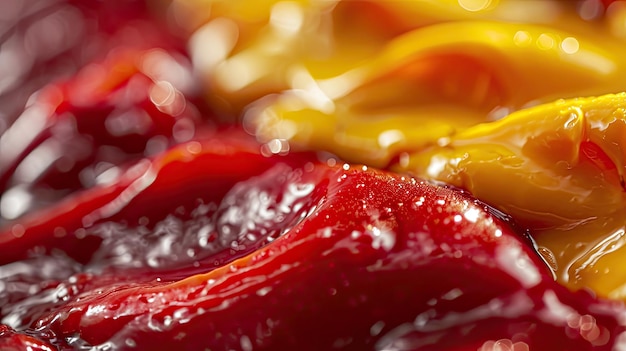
x,y
287,252
151,228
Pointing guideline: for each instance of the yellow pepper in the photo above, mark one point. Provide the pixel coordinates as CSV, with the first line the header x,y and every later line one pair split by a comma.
x,y
248,49
558,169
433,82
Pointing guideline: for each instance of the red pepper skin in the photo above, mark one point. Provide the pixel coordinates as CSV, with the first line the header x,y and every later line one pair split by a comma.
x,y
10,340
376,255
105,115
193,172
60,133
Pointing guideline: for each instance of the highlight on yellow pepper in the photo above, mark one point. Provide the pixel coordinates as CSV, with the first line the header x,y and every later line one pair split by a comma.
x,y
431,83
258,47
559,170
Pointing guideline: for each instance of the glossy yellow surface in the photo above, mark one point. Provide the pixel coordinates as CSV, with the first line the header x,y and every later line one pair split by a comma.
x,y
558,169
431,83
460,91
248,49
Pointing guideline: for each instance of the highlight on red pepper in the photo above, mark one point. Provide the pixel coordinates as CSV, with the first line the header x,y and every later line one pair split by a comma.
x,y
289,252
73,112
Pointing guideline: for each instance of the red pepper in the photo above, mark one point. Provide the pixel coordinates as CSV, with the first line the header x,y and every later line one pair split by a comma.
x,y
214,245
355,259
190,173
130,94
10,340
110,113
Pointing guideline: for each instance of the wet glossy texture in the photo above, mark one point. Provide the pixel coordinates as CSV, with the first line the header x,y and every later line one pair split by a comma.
x,y
265,47
130,221
308,256
431,83
190,174
558,169
368,80
107,87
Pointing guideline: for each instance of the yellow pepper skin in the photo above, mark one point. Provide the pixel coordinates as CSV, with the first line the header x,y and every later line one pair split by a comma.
x,y
258,49
529,62
560,14
246,50
559,170
433,82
